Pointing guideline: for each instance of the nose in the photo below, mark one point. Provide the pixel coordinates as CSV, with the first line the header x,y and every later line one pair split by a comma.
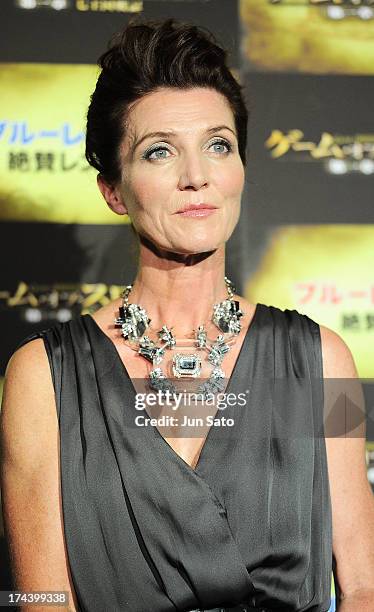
x,y
194,174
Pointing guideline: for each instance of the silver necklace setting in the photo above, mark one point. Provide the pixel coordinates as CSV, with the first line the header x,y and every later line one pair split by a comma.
x,y
134,321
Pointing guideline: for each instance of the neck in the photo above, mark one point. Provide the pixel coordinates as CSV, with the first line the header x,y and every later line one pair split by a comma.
x,y
179,291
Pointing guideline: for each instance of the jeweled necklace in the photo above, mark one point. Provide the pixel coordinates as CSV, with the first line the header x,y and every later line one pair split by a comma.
x,y
133,320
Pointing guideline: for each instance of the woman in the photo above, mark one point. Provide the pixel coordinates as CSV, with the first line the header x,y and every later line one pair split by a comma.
x,y
239,519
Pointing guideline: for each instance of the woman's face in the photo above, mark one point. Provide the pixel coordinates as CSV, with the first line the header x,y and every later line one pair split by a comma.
x,y
181,148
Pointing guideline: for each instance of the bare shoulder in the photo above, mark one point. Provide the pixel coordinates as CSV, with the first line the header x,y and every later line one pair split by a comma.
x,y
30,359
337,358
28,412
344,403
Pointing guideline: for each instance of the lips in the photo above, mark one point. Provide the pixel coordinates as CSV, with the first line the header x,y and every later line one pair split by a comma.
x,y
196,207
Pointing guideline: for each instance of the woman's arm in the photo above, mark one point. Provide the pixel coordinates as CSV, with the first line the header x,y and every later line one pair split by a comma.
x,y
351,496
30,477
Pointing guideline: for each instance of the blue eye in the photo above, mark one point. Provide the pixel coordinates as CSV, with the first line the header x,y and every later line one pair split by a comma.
x,y
161,149
147,154
222,143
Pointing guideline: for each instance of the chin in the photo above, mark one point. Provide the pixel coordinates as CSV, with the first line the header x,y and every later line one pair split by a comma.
x,y
189,243
201,241
200,246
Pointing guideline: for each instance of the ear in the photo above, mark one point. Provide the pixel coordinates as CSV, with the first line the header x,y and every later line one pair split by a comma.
x,y
112,196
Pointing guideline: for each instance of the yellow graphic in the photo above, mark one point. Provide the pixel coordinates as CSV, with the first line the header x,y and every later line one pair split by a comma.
x,y
44,176
306,37
112,6
298,271
340,3
329,145
89,296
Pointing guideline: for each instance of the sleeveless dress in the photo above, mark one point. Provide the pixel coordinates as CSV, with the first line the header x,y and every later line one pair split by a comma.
x,y
250,524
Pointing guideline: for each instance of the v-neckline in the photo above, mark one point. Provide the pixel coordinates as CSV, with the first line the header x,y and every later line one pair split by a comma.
x,y
233,376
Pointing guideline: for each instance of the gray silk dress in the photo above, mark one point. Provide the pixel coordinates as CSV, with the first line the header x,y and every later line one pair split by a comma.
x,y
250,524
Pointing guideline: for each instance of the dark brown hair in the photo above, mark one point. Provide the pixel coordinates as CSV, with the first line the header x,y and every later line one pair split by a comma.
x,y
142,57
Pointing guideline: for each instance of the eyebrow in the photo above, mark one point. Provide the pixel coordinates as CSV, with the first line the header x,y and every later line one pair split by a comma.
x,y
210,130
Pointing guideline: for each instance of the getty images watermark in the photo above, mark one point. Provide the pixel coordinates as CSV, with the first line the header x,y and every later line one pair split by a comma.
x,y
284,407
199,406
